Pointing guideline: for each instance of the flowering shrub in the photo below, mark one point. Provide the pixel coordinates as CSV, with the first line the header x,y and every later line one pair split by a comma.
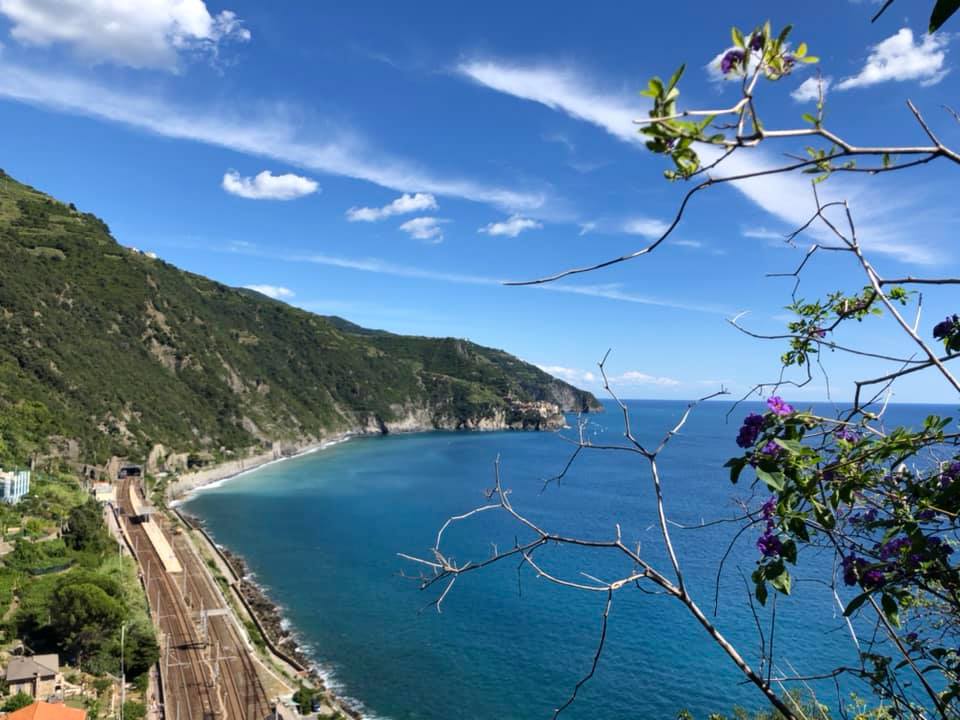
x,y
888,512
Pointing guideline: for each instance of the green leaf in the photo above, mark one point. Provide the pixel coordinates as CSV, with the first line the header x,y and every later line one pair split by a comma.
x,y
809,118
891,609
789,552
781,580
942,12
793,446
774,481
675,78
736,466
855,603
737,37
761,592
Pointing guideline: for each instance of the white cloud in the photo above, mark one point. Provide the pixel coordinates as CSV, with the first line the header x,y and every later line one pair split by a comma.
x,y
809,89
272,136
511,227
780,194
404,204
688,243
631,377
141,34
276,292
267,186
762,233
609,291
559,89
571,375
899,58
646,227
635,377
587,227
425,228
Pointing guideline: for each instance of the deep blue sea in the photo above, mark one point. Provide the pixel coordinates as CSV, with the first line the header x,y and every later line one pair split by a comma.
x,y
322,532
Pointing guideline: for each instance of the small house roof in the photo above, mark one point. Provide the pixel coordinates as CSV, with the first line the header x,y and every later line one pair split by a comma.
x,y
26,668
47,711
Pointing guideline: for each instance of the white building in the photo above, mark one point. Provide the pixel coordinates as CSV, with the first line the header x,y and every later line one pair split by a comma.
x,y
104,492
14,484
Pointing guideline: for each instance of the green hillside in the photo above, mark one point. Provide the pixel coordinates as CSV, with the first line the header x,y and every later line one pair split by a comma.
x,y
110,351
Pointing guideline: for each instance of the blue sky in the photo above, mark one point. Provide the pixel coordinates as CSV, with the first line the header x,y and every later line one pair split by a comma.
x,y
391,163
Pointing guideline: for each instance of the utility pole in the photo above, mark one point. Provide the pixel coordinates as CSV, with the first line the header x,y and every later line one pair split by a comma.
x,y
123,675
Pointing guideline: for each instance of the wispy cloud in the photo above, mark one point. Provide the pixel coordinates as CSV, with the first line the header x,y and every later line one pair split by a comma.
x,y
628,378
428,229
277,292
608,291
645,227
272,136
267,186
406,203
809,90
899,58
780,194
762,233
635,377
571,375
511,227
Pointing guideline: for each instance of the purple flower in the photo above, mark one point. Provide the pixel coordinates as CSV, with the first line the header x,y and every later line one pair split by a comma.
x,y
873,579
769,508
851,569
730,61
946,327
779,407
949,473
865,517
771,449
855,569
892,548
819,332
769,544
927,514
847,435
756,42
750,430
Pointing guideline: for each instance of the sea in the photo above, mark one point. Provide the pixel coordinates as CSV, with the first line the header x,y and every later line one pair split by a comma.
x,y
324,534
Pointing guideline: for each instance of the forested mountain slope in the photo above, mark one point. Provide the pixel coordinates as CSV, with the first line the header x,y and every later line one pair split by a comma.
x,y
112,351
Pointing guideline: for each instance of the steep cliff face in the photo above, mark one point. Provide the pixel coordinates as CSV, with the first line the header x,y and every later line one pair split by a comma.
x,y
535,415
114,351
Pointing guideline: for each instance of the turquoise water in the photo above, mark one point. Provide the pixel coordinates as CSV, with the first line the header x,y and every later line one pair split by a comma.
x,y
322,532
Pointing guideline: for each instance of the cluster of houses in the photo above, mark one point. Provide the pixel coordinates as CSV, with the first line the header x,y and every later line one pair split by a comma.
x,y
39,677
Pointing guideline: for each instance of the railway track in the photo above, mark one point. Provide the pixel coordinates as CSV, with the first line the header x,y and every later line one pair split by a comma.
x,y
245,696
211,678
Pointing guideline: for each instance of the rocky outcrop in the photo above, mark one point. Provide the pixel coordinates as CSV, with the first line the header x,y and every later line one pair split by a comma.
x,y
518,415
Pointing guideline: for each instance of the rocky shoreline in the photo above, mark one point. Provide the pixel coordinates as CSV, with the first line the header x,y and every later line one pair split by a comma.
x,y
271,621
267,611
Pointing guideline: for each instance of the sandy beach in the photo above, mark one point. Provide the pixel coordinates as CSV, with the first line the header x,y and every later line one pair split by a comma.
x,y
186,483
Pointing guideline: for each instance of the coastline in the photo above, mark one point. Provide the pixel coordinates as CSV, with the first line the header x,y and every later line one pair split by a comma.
x,y
186,484
253,597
